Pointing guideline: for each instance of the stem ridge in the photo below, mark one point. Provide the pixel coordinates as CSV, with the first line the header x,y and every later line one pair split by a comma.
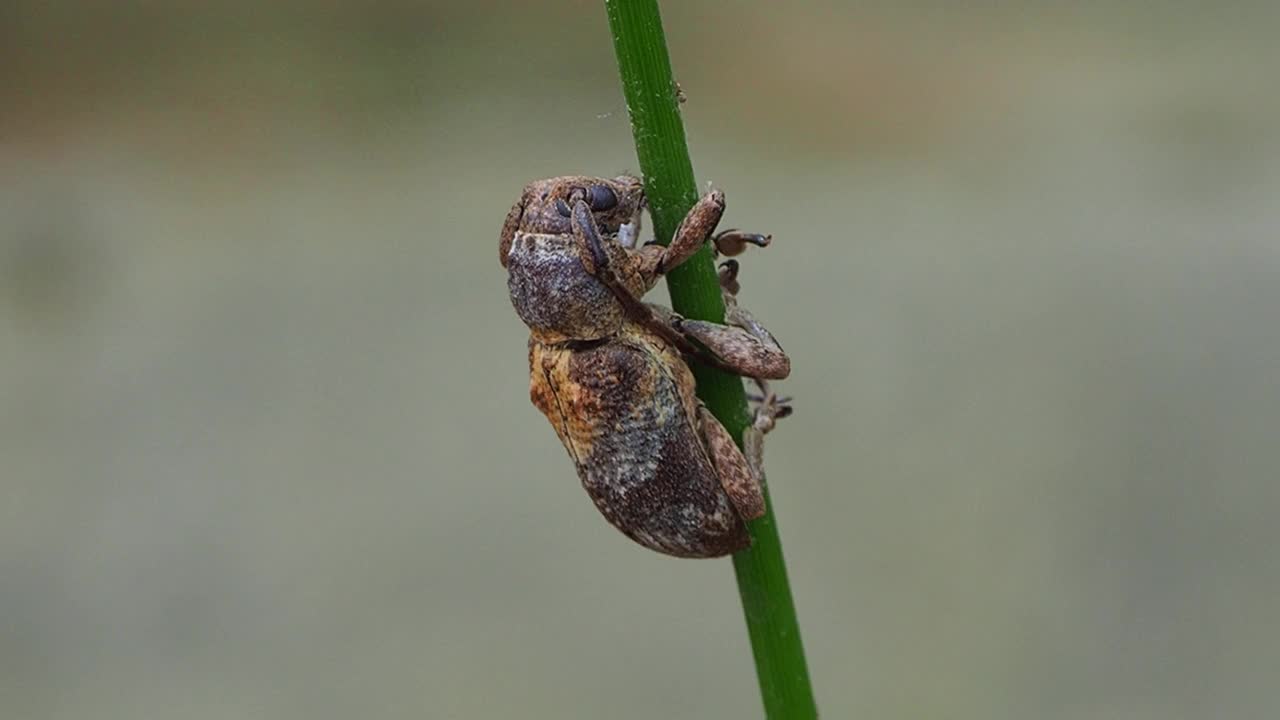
x,y
645,68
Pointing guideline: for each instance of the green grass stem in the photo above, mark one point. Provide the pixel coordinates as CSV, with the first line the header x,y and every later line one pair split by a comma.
x,y
650,91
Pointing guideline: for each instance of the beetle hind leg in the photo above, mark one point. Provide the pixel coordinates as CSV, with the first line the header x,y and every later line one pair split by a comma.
x,y
739,480
741,472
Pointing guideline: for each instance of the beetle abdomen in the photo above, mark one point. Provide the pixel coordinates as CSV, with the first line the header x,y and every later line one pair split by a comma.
x,y
624,410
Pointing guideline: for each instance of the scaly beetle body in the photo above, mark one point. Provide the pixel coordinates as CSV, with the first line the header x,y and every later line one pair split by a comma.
x,y
609,372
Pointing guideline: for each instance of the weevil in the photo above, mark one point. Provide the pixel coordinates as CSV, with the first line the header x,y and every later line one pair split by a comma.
x,y
609,371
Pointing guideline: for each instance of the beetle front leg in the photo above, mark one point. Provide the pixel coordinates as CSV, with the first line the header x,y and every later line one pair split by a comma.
x,y
701,220
694,230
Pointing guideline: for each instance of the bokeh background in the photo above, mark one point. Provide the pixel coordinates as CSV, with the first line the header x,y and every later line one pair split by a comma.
x,y
266,449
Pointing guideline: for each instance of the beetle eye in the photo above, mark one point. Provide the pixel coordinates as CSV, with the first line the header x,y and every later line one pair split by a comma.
x,y
601,198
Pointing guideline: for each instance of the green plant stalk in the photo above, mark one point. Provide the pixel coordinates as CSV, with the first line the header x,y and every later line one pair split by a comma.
x,y
652,103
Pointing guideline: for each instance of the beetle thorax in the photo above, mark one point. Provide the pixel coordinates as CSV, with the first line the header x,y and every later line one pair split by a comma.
x,y
553,294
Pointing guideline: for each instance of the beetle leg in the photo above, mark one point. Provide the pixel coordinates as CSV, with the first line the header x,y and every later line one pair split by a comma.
x,y
735,472
656,260
735,314
734,242
728,276
769,407
742,343
668,325
767,413
693,230
745,346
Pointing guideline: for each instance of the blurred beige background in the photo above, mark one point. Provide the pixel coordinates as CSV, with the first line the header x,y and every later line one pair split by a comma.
x,y
266,449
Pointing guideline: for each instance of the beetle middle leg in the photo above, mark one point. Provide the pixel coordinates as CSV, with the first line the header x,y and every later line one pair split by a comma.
x,y
742,343
746,347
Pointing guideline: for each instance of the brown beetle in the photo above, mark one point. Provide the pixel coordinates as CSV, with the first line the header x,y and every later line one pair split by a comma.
x,y
609,371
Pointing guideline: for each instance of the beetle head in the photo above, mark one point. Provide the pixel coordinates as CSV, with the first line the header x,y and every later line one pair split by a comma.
x,y
613,202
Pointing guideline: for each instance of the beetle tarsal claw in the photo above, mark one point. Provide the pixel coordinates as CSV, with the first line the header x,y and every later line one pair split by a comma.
x,y
734,241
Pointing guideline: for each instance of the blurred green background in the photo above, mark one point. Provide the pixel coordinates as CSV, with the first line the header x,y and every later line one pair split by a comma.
x,y
266,449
